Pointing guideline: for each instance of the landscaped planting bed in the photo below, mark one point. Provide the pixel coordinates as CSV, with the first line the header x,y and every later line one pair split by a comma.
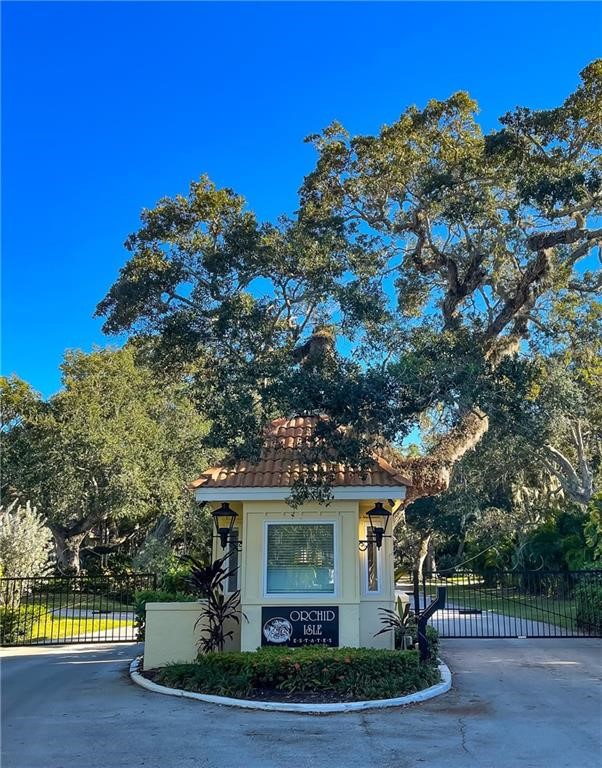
x,y
303,674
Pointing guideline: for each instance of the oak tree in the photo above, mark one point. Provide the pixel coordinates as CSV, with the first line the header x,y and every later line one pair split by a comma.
x,y
114,450
420,270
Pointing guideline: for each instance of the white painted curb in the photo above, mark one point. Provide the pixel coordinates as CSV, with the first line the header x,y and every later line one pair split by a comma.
x,y
276,706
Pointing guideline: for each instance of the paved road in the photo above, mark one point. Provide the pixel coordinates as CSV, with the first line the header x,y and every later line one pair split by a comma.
x,y
451,623
515,704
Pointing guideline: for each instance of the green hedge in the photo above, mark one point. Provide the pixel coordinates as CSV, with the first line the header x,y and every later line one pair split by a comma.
x,y
588,599
348,673
145,596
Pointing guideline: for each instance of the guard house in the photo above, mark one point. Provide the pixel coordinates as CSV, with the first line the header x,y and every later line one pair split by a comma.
x,y
315,574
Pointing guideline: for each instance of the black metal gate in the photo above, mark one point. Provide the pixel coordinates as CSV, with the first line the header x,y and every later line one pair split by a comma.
x,y
515,603
70,609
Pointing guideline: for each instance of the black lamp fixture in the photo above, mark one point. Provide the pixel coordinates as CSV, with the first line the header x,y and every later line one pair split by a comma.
x,y
224,518
379,519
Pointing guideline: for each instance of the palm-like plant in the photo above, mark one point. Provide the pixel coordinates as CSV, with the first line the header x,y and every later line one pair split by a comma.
x,y
396,620
207,581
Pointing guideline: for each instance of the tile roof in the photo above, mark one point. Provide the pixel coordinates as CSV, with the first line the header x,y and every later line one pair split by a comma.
x,y
280,463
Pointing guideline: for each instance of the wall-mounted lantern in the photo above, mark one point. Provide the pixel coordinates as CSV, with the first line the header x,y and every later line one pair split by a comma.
x,y
224,518
379,519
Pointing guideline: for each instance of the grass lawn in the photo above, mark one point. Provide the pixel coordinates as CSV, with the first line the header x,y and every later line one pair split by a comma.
x,y
47,616
49,627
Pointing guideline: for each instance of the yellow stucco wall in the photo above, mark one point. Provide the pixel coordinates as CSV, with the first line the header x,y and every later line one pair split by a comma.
x,y
370,616
359,618
170,634
370,625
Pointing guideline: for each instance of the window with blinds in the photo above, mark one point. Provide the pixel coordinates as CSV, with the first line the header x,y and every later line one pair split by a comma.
x,y
372,576
300,558
232,563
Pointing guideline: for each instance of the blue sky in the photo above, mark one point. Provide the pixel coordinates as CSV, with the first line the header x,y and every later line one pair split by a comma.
x,y
109,106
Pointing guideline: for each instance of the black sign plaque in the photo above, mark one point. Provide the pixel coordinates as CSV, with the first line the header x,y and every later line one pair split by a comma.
x,y
296,626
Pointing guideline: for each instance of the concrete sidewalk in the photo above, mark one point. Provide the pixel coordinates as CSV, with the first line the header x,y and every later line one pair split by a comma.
x,y
527,703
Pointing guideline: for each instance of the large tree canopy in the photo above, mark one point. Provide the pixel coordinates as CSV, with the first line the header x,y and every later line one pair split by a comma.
x,y
422,265
524,496
116,448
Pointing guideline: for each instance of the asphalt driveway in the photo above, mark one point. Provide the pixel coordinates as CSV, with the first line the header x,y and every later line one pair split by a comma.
x,y
515,703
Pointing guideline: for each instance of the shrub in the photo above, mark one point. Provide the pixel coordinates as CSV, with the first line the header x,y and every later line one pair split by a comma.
x,y
588,599
25,542
17,623
347,673
432,644
155,556
176,579
117,563
145,596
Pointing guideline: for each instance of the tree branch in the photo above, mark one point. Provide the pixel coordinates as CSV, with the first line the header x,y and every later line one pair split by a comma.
x,y
578,485
462,438
528,289
562,237
458,290
430,475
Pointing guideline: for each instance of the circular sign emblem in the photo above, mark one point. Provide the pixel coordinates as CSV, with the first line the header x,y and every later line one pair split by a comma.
x,y
278,630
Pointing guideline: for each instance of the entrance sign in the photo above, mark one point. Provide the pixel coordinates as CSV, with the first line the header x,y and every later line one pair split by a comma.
x,y
296,626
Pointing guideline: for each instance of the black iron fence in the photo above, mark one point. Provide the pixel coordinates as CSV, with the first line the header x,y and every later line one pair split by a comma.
x,y
70,609
515,603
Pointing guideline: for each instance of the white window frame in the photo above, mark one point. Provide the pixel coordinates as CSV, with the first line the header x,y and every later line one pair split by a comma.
x,y
379,567
279,596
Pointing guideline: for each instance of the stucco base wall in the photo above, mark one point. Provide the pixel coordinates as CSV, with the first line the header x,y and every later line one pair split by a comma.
x,y
170,633
371,623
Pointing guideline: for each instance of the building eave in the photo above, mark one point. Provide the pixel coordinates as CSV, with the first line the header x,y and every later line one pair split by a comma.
x,y
342,493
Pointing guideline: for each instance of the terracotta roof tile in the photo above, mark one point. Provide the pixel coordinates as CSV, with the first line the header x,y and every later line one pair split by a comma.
x,y
280,464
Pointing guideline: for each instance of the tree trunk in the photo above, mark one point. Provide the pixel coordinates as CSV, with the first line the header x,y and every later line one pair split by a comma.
x,y
423,551
67,548
461,545
430,564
